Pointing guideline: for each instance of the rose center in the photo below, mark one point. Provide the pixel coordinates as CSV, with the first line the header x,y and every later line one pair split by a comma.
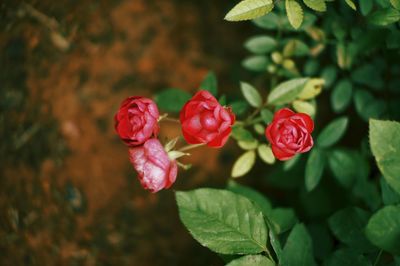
x,y
208,121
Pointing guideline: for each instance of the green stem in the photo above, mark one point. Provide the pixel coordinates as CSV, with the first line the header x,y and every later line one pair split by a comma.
x,y
192,146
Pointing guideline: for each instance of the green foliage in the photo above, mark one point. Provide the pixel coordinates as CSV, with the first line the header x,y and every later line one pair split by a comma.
x,y
347,257
384,17
256,197
317,5
244,164
314,168
384,138
287,91
252,260
383,229
261,44
298,250
171,100
351,233
265,153
223,221
333,132
251,94
294,13
249,9
341,95
210,83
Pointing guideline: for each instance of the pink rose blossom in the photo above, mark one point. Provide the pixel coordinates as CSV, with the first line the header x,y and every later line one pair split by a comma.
x,y
155,169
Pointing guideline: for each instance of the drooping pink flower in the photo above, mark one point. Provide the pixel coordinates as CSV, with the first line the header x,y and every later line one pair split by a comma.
x,y
156,171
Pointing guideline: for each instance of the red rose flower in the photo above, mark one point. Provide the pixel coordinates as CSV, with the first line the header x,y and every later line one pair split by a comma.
x,y
156,171
290,133
136,120
204,120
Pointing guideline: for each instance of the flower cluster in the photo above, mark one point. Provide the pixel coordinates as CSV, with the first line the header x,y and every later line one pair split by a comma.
x,y
203,121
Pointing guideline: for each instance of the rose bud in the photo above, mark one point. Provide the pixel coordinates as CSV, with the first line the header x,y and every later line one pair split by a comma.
x,y
136,120
155,169
290,133
204,120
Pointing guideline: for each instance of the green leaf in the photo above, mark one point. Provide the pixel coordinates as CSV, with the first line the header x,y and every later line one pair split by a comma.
x,y
249,9
384,17
344,166
253,195
239,107
223,221
295,48
365,6
283,219
329,75
351,4
389,196
341,95
248,145
251,94
304,107
348,226
265,153
287,91
241,134
269,21
368,75
244,164
294,13
256,63
367,106
171,100
267,116
383,229
210,83
333,132
347,257
322,240
384,138
289,164
252,260
260,44
395,4
298,250
317,5
314,169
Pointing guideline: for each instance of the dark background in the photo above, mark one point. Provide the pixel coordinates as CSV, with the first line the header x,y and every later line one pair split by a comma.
x,y
68,195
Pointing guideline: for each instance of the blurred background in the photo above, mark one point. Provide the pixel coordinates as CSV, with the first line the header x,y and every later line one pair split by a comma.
x,y
69,195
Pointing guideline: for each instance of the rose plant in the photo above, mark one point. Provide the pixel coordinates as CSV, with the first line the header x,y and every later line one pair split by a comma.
x,y
335,198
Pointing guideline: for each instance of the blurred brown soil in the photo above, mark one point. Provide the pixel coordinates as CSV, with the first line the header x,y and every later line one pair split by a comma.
x,y
117,49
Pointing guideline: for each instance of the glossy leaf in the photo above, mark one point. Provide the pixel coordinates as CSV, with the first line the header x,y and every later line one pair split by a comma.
x,y
251,94
341,95
384,138
294,13
252,260
351,4
253,195
317,5
383,229
256,63
244,164
223,221
298,250
260,44
333,132
384,17
314,168
287,91
265,153
249,9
